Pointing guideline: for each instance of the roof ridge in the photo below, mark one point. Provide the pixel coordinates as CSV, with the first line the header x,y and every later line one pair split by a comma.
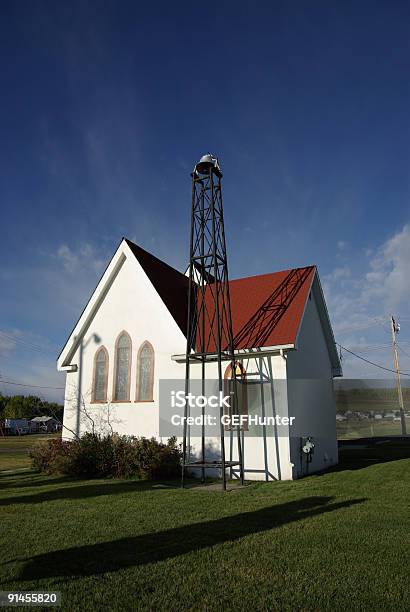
x,y
170,284
286,270
133,245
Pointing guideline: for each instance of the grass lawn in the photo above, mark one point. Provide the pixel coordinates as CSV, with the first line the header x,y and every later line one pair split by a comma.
x,y
355,428
14,450
338,541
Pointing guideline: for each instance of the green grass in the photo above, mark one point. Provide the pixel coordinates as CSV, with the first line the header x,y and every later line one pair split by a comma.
x,y
355,428
338,541
14,450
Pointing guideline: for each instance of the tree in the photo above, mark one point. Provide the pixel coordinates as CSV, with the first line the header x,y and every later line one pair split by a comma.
x,y
28,407
3,403
15,408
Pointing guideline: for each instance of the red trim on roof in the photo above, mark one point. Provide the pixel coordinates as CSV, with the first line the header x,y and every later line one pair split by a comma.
x,y
267,310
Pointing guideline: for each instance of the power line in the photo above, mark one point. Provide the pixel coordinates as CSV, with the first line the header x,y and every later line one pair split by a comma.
x,y
379,321
359,327
50,366
377,365
402,350
22,360
370,347
26,343
17,384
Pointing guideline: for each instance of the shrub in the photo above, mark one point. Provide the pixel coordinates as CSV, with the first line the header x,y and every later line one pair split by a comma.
x,y
125,457
45,454
91,456
95,456
156,460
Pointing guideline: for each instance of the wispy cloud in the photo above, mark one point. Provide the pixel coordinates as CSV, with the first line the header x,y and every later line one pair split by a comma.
x,y
47,292
362,295
86,257
387,281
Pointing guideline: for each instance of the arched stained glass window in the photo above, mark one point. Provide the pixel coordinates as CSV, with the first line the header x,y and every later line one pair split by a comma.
x,y
100,375
145,373
122,368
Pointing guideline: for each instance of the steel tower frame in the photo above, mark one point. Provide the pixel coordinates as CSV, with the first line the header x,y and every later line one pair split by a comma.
x,y
209,324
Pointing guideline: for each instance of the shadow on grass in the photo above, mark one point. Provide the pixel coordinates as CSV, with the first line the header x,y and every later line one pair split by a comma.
x,y
112,556
362,452
82,491
22,481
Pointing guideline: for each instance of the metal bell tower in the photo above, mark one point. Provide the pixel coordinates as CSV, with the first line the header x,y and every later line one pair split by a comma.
x,y
209,326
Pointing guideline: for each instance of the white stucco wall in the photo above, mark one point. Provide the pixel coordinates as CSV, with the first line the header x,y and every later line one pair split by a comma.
x,y
315,398
266,457
132,304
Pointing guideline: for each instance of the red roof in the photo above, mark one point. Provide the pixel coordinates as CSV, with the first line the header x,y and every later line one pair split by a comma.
x,y
266,310
278,299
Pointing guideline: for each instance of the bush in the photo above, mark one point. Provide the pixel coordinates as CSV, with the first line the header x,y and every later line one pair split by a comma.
x,y
46,454
91,457
125,457
95,456
156,460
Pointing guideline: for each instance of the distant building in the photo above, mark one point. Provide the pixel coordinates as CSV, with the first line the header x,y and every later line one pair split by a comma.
x,y
46,424
15,427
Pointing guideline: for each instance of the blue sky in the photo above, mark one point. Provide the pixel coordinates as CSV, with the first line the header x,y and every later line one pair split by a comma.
x,y
106,106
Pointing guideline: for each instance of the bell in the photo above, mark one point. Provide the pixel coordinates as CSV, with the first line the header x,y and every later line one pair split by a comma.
x,y
207,162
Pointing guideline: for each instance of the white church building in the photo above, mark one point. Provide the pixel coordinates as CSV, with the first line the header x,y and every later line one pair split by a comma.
x,y
131,335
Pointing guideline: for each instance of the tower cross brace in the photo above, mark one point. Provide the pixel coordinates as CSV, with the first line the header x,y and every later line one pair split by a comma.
x,y
209,324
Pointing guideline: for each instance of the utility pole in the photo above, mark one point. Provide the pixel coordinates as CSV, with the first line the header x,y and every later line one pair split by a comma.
x,y
395,328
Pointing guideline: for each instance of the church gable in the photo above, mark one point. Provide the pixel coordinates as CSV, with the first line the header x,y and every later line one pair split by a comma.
x,y
267,310
315,357
171,285
125,292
